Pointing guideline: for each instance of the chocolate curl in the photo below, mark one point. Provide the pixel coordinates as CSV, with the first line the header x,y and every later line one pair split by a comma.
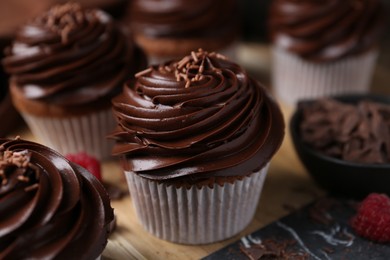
x,y
357,133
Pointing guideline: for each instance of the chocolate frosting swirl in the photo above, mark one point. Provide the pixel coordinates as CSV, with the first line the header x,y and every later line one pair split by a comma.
x,y
70,56
326,30
184,19
196,118
50,208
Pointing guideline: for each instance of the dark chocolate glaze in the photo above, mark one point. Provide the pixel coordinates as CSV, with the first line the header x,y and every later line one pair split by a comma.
x,y
326,30
184,19
70,56
50,208
196,118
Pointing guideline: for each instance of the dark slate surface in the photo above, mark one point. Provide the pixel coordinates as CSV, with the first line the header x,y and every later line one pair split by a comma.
x,y
318,231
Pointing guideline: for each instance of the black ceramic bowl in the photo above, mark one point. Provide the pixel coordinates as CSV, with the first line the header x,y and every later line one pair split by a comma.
x,y
342,177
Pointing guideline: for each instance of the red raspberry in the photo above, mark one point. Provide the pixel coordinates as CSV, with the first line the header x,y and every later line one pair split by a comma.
x,y
372,220
88,162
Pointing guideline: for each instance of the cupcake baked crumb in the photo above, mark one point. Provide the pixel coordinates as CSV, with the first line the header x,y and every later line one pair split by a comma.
x,y
195,137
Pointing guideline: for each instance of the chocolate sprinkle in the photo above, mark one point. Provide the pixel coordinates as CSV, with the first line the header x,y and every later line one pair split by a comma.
x,y
189,69
17,163
273,249
63,19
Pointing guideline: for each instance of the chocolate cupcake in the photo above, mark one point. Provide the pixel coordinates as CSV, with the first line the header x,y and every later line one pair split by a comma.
x,y
172,29
65,67
196,137
324,47
51,208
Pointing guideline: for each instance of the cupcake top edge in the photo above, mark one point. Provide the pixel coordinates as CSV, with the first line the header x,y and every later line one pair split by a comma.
x,y
326,30
198,117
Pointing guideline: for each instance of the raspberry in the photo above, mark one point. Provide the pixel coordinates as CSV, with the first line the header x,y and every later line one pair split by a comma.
x,y
88,162
372,220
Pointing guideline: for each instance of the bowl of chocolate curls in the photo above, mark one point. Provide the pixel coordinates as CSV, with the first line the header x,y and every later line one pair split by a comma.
x,y
344,142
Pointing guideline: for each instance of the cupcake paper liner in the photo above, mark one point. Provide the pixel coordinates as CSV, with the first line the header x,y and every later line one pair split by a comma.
x,y
196,215
85,133
294,79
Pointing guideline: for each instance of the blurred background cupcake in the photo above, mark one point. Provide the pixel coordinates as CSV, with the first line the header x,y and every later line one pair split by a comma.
x,y
324,47
171,29
13,14
65,67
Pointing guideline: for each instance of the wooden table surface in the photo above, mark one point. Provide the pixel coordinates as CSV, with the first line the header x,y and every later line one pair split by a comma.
x,y
287,185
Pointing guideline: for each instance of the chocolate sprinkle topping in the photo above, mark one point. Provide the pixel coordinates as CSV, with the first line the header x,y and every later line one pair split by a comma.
x,y
18,162
273,249
63,19
190,68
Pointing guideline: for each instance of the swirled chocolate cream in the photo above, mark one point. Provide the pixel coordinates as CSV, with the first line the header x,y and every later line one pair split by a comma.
x,y
50,208
197,118
69,60
326,30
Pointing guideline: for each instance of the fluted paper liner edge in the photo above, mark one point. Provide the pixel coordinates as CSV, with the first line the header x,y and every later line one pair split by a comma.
x,y
294,79
84,133
196,215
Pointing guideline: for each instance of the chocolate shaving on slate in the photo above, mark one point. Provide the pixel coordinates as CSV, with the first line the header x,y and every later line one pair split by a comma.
x,y
356,133
319,212
272,249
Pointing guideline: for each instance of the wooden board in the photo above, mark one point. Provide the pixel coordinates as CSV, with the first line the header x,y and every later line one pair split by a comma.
x,y
287,186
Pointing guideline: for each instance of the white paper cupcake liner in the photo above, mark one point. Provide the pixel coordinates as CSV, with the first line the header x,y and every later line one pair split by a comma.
x,y
196,215
85,133
294,79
